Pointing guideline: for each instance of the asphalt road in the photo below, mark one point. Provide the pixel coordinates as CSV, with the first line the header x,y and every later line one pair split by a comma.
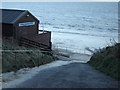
x,y
74,75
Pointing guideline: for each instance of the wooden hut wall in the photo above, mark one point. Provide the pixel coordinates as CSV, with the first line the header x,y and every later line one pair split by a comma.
x,y
26,30
7,29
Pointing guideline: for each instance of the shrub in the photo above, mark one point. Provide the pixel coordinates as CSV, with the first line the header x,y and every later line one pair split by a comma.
x,y
107,61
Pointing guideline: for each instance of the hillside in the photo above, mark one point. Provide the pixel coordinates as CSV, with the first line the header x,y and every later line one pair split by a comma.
x,y
107,61
10,62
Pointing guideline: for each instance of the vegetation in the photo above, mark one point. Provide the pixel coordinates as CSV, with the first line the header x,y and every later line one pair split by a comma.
x,y
13,61
107,61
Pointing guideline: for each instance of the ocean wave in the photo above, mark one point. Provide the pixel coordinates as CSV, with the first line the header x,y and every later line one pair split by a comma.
x,y
46,23
88,34
80,29
112,29
59,27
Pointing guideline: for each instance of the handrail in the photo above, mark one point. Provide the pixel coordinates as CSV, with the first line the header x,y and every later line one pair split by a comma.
x,y
15,51
22,38
34,44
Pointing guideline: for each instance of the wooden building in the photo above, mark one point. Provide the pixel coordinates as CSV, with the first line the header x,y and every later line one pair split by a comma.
x,y
23,26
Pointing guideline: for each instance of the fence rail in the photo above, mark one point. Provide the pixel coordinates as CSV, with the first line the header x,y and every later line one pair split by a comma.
x,y
30,43
22,51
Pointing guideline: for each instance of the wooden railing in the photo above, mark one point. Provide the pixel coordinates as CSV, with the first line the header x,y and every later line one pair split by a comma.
x,y
34,44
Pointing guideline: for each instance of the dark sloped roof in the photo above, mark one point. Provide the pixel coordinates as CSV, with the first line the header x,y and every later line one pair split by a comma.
x,y
10,16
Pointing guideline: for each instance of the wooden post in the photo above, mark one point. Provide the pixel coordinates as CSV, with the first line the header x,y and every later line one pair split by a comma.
x,y
15,58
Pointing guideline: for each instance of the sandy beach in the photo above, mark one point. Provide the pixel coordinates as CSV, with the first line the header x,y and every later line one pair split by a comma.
x,y
74,56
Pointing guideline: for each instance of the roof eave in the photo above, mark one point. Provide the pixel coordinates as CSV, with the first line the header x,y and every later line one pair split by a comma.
x,y
19,17
33,16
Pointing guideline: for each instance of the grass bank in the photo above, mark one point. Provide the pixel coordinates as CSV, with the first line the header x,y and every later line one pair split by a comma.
x,y
10,62
107,60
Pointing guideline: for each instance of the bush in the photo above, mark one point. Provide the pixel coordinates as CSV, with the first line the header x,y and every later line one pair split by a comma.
x,y
107,61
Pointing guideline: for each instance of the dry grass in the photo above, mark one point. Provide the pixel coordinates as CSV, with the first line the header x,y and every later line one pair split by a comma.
x,y
10,62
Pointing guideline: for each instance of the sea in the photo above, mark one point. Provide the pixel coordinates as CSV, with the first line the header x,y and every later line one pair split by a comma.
x,y
75,26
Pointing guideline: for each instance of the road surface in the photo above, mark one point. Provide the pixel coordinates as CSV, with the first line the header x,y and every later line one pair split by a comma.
x,y
74,75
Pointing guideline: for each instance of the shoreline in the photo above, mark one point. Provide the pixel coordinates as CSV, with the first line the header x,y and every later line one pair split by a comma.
x,y
68,52
73,55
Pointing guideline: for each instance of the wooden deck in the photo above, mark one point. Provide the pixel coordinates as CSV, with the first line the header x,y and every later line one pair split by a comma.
x,y
41,41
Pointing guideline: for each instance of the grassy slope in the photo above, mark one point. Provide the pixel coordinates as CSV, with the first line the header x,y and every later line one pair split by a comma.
x,y
107,61
23,60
